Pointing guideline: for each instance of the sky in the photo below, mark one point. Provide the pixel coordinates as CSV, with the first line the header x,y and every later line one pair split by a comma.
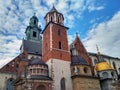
x,y
95,21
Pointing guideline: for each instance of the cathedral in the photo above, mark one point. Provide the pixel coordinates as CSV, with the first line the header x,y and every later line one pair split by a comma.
x,y
47,62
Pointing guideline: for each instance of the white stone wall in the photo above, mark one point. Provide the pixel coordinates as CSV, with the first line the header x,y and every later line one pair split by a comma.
x,y
61,69
3,79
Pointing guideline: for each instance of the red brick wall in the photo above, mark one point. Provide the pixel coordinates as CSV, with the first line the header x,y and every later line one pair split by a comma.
x,y
22,67
82,51
55,52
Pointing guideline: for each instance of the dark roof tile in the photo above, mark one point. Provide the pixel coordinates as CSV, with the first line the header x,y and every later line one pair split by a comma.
x,y
78,60
36,61
32,47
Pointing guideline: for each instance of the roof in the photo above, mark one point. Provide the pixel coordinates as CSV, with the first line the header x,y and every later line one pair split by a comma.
x,y
53,9
78,60
82,52
105,56
34,17
103,66
36,61
32,47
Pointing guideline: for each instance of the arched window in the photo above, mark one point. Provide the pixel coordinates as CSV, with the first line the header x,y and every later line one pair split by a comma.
x,y
105,75
58,19
51,18
63,87
34,34
95,61
9,85
112,73
34,21
60,46
85,70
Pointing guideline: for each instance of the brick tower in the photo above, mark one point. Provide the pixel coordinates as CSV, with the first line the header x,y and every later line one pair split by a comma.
x,y
56,51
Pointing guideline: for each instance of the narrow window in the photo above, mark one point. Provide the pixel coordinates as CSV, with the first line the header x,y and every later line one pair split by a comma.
x,y
85,70
58,20
112,73
60,45
34,34
63,87
59,33
34,21
9,84
95,61
30,70
51,18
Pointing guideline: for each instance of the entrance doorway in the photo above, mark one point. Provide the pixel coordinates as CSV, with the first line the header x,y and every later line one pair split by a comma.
x,y
41,87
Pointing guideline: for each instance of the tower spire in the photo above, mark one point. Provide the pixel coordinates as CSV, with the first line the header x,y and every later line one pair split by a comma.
x,y
100,58
76,33
53,9
97,49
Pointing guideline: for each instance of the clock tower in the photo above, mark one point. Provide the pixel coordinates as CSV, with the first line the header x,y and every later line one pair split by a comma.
x,y
56,51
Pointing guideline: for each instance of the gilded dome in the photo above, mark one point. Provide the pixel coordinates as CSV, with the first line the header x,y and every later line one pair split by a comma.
x,y
103,66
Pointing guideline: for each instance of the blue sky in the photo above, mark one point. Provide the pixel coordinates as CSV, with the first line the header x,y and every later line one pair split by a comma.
x,y
96,22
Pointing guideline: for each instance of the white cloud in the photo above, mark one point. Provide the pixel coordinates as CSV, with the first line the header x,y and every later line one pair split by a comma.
x,y
9,46
15,15
2,63
93,8
106,35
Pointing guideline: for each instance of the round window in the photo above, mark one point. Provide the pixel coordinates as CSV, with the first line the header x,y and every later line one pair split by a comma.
x,y
105,74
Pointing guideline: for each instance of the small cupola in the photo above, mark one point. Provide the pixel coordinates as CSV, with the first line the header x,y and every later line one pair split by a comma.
x,y
54,16
33,31
33,21
104,69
